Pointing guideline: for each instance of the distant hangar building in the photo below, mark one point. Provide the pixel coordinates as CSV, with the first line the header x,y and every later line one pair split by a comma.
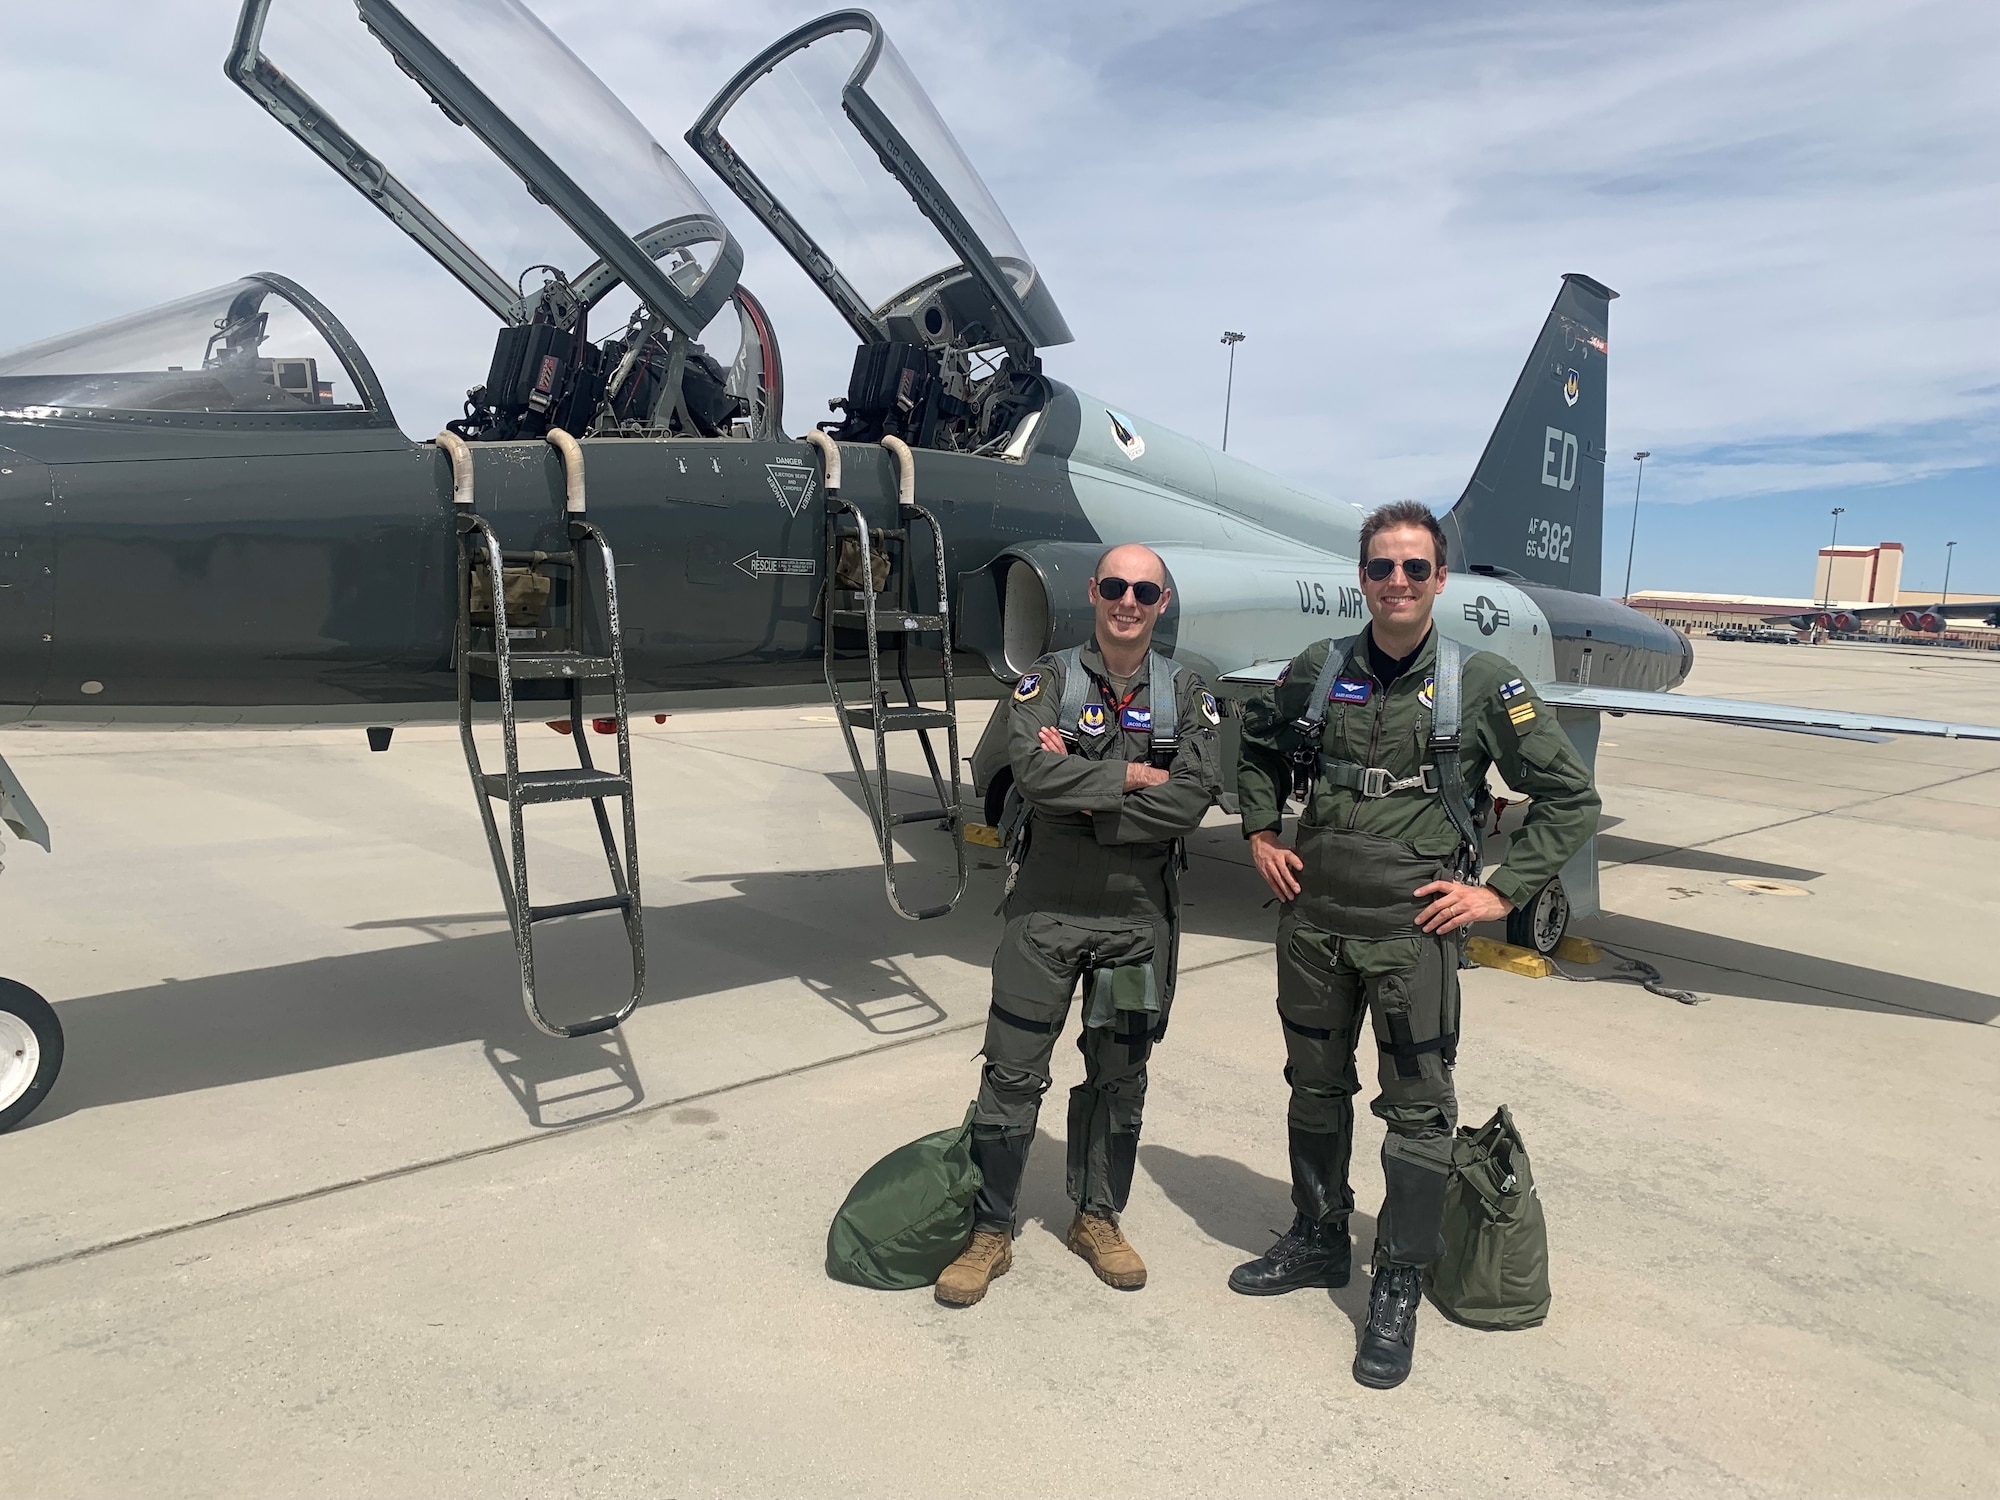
x,y
1845,577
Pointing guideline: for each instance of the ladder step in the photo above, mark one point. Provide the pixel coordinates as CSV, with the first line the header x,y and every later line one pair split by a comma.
x,y
571,784
887,620
526,664
578,908
894,719
928,815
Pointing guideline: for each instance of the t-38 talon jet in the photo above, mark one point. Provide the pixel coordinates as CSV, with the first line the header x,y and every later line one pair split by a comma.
x,y
208,514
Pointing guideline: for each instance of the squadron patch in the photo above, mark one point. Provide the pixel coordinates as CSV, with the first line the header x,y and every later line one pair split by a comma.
x,y
1349,690
1428,694
1209,711
1029,685
1135,718
1091,720
1283,672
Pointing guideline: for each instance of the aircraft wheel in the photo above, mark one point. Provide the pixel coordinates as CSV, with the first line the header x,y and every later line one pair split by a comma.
x,y
31,1051
1540,924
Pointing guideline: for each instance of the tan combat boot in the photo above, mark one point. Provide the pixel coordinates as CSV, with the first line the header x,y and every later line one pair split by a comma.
x,y
965,1280
1101,1242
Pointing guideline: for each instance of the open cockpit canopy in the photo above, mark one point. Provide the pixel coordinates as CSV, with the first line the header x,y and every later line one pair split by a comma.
x,y
829,139
260,345
502,154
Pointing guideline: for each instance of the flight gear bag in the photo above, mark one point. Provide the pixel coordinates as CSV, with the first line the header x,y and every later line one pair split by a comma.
x,y
909,1216
1443,778
1495,1269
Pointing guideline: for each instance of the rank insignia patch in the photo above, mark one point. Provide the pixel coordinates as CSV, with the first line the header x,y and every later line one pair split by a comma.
x,y
1521,715
1029,685
1209,710
1091,720
1428,695
1349,690
1135,718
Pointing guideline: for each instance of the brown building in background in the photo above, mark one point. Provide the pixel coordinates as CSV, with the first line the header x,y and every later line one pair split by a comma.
x,y
1845,576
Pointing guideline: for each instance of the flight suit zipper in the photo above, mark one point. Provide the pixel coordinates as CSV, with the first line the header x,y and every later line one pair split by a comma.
x,y
1374,735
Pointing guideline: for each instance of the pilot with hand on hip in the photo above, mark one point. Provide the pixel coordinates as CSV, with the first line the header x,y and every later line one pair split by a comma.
x,y
1387,739
1116,758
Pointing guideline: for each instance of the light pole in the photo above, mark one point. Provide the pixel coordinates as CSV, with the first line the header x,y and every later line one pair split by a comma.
x,y
1838,512
1947,574
1229,392
1641,456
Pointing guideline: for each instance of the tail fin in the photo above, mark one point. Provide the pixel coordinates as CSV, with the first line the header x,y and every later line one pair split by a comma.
x,y
1535,504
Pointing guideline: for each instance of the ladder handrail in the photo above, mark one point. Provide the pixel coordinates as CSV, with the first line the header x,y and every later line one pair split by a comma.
x,y
875,789
510,861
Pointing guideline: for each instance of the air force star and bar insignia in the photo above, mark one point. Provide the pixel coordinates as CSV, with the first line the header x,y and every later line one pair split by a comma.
x,y
1029,685
1349,690
1136,718
1091,720
1209,711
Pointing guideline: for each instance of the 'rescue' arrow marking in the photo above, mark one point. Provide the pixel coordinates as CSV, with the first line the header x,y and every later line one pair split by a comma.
x,y
757,565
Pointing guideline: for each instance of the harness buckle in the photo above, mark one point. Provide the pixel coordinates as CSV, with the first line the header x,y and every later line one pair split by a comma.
x,y
1375,782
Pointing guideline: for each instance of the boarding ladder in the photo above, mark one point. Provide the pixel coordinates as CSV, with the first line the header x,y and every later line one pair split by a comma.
x,y
483,565
898,616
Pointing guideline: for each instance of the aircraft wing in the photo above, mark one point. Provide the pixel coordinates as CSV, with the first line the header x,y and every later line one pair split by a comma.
x,y
1835,722
1756,715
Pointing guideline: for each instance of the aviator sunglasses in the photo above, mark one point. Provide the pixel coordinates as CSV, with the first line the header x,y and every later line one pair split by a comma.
x,y
1378,569
1145,592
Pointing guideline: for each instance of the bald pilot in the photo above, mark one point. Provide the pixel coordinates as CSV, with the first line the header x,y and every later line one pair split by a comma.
x,y
1115,753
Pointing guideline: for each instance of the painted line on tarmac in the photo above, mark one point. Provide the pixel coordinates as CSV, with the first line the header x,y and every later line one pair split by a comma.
x,y
394,1174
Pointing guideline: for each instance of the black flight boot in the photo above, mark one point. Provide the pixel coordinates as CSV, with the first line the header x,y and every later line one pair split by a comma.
x,y
1383,1360
1308,1254
1001,1160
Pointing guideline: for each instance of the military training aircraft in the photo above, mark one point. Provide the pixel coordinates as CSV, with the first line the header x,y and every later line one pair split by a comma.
x,y
209,515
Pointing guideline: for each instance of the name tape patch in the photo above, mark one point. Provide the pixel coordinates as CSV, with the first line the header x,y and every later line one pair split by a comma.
x,y
1135,718
1350,690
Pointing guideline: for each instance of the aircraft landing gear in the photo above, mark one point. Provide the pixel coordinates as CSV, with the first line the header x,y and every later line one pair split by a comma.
x,y
1540,924
31,1051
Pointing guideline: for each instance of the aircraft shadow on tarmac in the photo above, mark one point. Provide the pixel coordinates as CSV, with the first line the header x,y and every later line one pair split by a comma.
x,y
827,928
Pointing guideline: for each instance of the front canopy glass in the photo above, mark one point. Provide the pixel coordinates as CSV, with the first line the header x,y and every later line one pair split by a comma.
x,y
830,140
477,131
262,344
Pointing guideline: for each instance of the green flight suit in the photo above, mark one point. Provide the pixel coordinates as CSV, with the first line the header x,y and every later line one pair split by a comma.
x,y
1348,945
1094,899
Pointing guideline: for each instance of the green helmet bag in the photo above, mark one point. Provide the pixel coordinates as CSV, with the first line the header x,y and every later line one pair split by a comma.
x,y
1495,1269
909,1216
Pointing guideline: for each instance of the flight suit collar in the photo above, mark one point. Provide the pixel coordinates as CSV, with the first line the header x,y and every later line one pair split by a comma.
x,y
1424,666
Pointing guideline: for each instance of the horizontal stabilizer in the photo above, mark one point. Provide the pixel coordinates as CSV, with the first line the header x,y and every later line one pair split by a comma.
x,y
1754,715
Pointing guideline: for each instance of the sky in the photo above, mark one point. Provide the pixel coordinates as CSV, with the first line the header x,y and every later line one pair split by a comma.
x,y
1798,203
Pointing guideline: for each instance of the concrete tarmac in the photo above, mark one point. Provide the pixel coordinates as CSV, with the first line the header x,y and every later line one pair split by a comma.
x,y
313,1210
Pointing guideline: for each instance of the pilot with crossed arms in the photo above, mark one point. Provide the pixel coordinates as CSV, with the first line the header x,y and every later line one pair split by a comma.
x,y
1116,757
1387,739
